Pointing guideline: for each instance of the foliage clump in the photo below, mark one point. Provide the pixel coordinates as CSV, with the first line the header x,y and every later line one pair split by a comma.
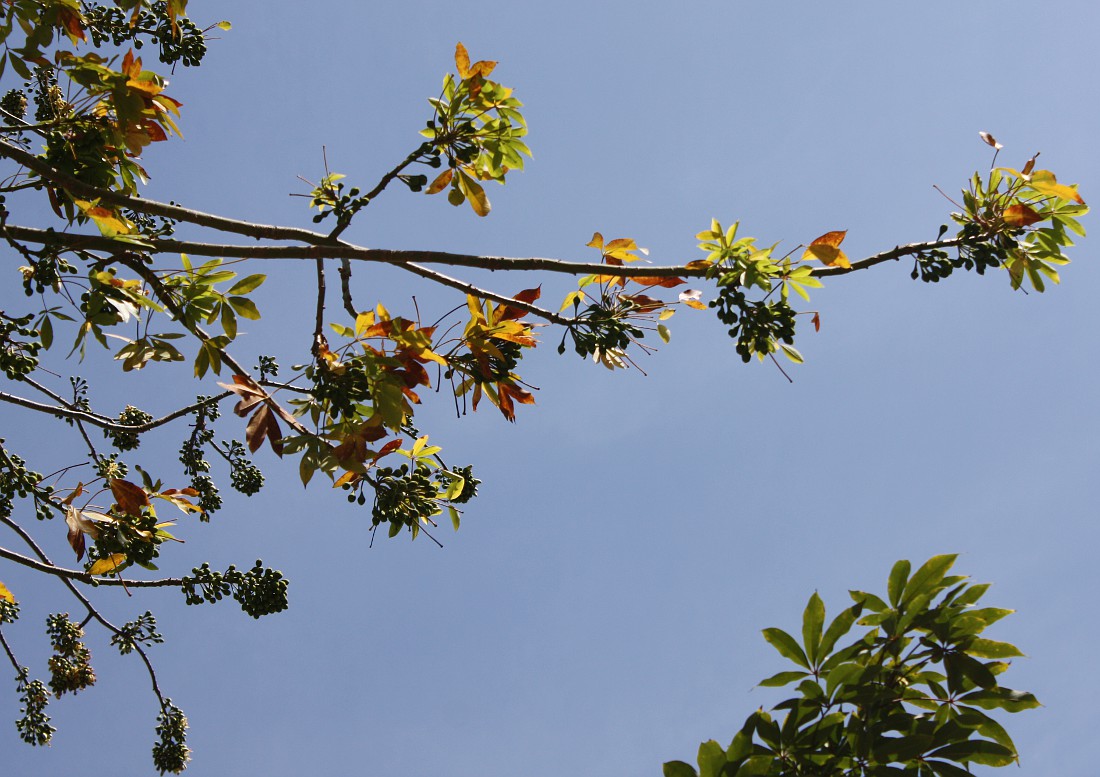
x,y
908,696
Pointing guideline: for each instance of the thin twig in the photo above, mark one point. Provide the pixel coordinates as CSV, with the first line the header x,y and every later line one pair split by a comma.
x,y
97,420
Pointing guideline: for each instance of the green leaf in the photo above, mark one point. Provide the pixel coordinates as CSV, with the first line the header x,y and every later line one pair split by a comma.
x,y
247,284
1001,698
845,674
757,766
455,519
896,583
945,769
840,626
662,330
987,648
813,619
455,487
977,751
711,759
975,621
786,645
986,726
229,321
925,579
870,601
971,668
792,353
45,329
245,308
679,769
782,678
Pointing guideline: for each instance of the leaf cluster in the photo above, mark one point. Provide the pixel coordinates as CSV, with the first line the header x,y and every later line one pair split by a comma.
x,y
909,696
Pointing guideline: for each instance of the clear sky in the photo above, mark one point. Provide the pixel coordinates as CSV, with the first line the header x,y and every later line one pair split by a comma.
x,y
600,610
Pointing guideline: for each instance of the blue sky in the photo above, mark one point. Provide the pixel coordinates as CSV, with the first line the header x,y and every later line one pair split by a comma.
x,y
600,610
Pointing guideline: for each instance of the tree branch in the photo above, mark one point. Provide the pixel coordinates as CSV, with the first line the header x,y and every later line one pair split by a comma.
x,y
84,577
68,241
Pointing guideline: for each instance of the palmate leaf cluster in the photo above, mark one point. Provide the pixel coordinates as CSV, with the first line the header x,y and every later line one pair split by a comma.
x,y
911,696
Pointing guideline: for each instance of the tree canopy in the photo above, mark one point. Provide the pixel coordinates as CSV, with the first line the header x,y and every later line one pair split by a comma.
x,y
111,275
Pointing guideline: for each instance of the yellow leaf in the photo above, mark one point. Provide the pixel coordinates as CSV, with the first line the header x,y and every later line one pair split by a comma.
x,y
475,194
462,61
363,322
440,183
6,594
109,222
1044,182
691,303
572,298
596,241
107,565
826,249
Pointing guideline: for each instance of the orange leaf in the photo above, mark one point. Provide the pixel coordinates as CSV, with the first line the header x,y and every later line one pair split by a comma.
x,y
1020,215
505,313
441,182
131,66
826,249
665,282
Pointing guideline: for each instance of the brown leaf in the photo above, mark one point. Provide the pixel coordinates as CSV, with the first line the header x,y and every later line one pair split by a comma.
x,y
645,303
817,322
130,497
262,425
989,140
